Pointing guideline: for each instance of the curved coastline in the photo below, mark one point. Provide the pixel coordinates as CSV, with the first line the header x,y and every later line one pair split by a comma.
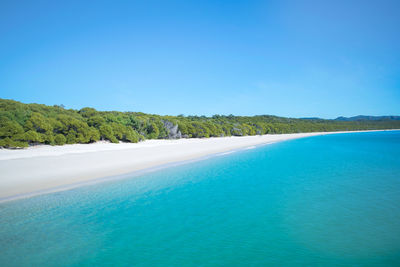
x,y
41,170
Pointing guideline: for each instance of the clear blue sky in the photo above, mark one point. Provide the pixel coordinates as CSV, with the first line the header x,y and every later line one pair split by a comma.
x,y
287,58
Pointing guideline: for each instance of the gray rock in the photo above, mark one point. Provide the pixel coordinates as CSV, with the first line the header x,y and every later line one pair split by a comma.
x,y
236,131
172,130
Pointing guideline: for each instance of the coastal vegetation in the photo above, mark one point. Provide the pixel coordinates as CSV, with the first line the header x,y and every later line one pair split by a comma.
x,y
22,125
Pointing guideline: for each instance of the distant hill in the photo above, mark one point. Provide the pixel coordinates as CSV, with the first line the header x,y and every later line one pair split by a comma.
x,y
368,118
310,118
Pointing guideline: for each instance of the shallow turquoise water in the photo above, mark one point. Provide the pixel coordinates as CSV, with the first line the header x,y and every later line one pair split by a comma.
x,y
320,201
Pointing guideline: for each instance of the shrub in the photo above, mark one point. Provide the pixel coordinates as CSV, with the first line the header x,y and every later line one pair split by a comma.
x,y
60,139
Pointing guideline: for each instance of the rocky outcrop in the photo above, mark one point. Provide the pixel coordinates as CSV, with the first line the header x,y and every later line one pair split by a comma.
x,y
235,131
172,130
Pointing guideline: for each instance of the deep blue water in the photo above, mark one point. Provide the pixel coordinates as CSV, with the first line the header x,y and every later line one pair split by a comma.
x,y
321,201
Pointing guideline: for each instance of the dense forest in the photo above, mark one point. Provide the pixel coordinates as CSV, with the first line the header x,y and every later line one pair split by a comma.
x,y
23,125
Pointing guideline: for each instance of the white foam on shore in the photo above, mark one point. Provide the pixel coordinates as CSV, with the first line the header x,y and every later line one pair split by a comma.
x,y
226,153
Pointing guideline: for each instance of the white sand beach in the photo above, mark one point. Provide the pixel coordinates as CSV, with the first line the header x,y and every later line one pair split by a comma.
x,y
45,168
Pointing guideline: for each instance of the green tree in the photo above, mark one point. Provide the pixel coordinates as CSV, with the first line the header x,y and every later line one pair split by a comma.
x,y
152,130
106,133
38,123
10,129
60,139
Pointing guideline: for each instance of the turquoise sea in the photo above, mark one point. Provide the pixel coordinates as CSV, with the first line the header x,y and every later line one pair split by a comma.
x,y
320,201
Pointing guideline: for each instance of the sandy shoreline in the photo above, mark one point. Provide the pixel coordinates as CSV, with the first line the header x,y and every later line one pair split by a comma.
x,y
39,169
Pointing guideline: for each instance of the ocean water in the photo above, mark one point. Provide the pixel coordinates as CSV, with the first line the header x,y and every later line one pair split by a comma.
x,y
320,201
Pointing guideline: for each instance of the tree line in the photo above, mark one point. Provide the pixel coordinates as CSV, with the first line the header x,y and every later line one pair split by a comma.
x,y
23,125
